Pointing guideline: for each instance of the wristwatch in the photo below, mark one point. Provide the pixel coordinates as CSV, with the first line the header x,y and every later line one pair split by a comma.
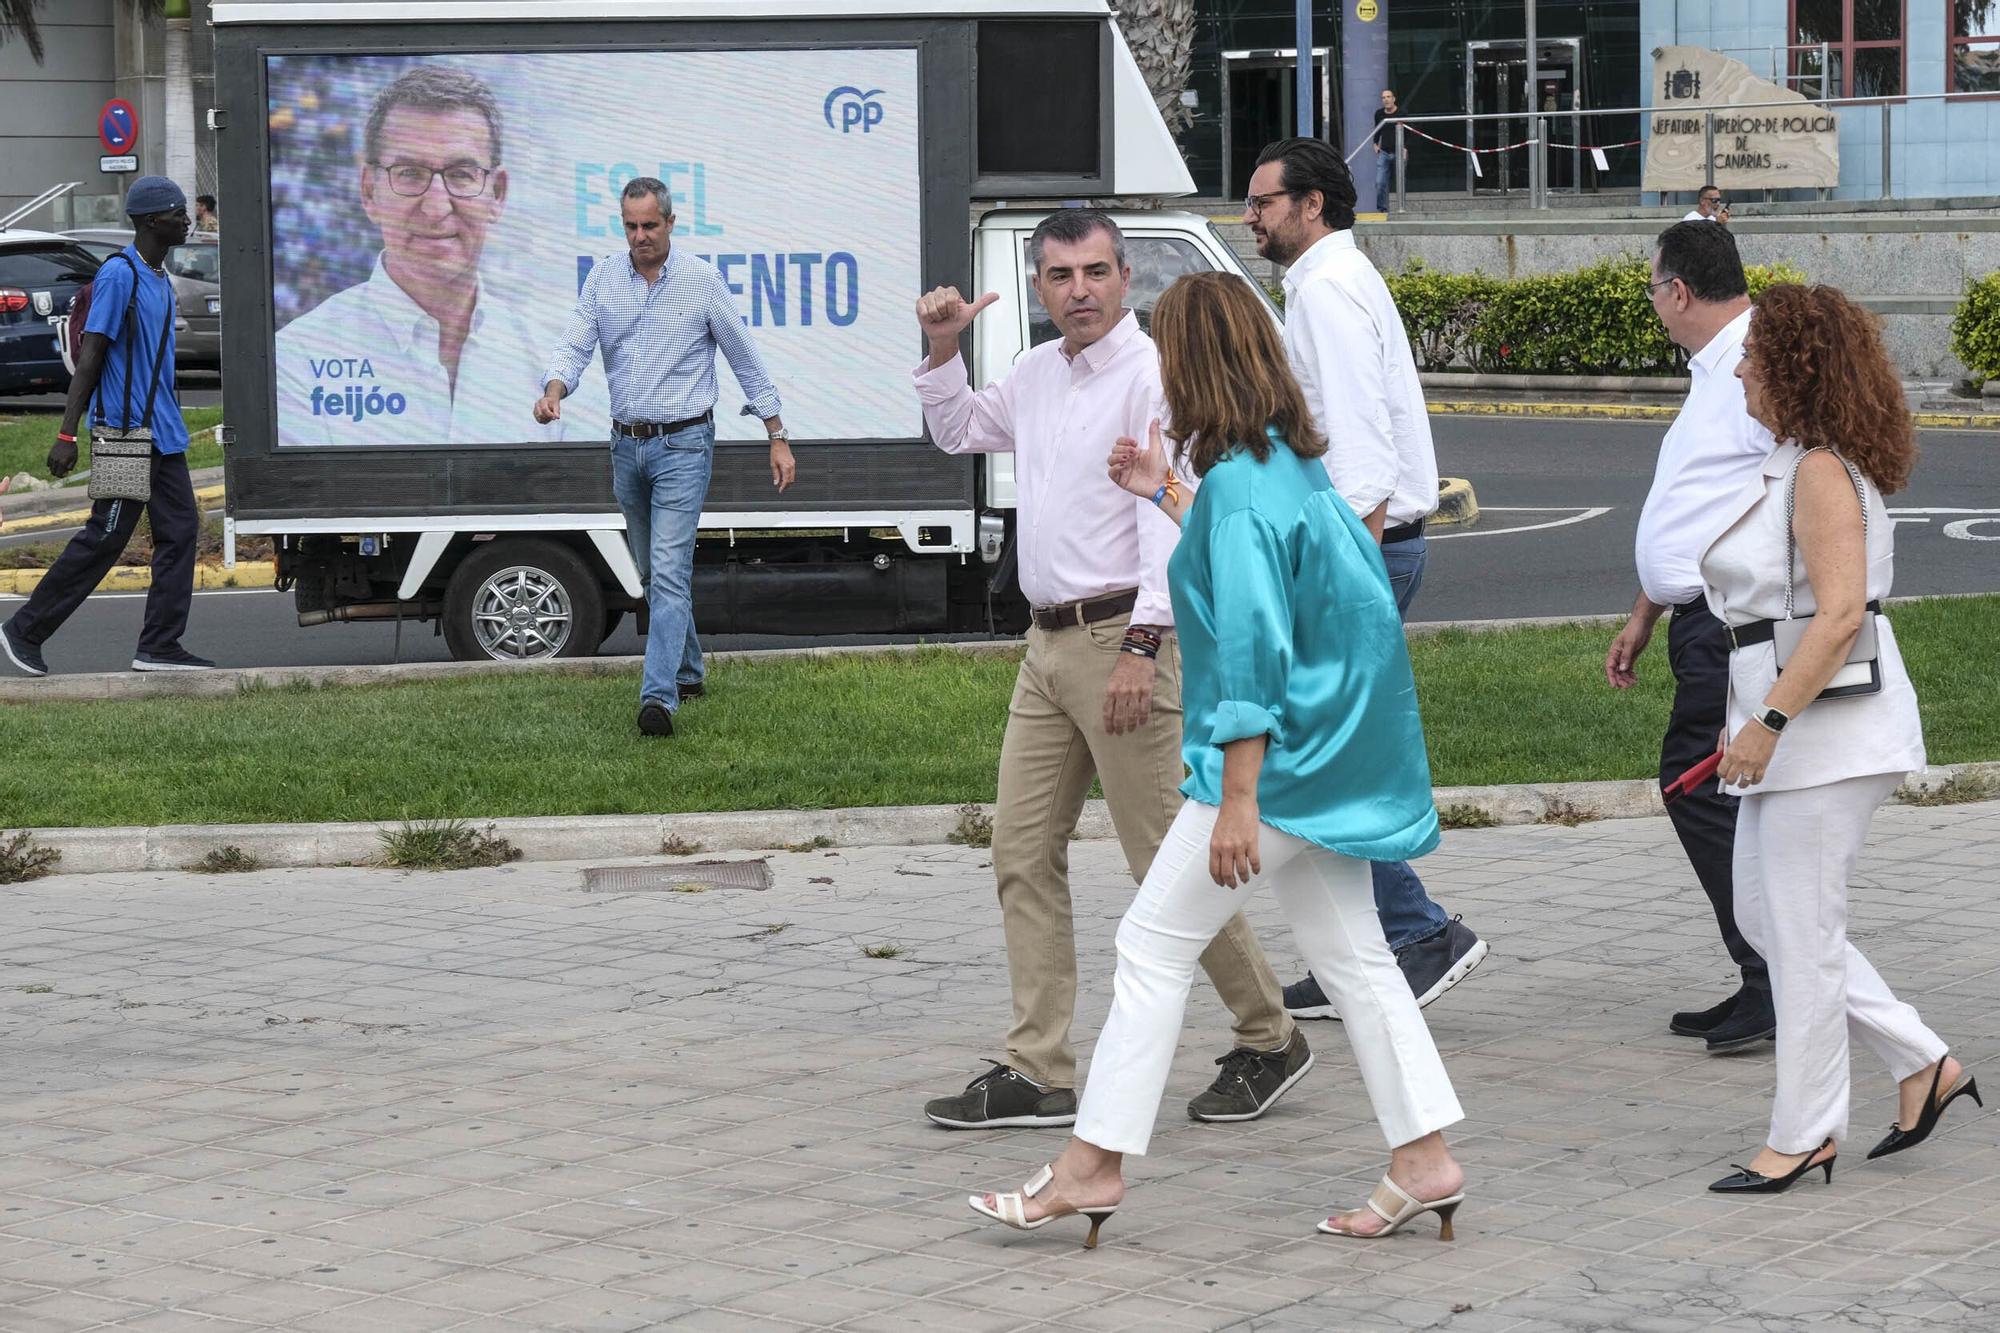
x,y
781,434
1771,720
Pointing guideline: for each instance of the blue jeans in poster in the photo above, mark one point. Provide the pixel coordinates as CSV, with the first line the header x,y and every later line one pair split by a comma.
x,y
1407,912
660,484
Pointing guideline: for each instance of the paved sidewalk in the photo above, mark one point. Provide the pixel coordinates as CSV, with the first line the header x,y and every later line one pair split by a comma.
x,y
368,1101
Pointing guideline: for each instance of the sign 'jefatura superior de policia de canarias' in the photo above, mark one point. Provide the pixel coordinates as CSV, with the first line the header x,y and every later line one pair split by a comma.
x,y
1756,148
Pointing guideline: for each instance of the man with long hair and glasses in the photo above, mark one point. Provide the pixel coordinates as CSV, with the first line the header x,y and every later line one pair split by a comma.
x,y
1345,342
430,349
1713,449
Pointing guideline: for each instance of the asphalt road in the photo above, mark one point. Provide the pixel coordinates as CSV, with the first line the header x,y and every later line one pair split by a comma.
x,y
1560,501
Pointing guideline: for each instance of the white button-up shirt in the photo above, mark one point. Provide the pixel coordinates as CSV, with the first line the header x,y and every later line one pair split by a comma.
x,y
1712,451
1348,347
362,367
1081,534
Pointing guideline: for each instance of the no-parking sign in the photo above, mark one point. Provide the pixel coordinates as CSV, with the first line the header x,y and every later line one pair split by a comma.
x,y
118,126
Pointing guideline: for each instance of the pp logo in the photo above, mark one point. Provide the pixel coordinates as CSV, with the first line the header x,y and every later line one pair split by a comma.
x,y
856,109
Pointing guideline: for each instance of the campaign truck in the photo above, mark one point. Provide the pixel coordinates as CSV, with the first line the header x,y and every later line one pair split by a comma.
x,y
417,190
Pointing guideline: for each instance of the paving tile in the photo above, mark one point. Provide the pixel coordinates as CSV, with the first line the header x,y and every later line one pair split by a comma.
x,y
516,1107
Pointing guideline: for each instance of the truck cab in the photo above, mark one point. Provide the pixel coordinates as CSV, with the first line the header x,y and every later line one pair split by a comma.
x,y
912,145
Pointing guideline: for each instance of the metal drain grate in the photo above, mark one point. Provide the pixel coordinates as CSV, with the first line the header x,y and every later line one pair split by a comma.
x,y
685,877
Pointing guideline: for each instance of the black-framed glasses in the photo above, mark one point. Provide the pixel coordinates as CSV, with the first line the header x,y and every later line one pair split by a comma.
x,y
1652,287
462,180
1255,204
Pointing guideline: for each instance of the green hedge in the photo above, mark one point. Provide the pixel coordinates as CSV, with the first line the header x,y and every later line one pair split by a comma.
x,y
1975,329
1593,321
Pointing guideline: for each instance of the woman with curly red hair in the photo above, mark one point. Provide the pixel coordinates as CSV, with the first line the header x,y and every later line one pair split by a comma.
x,y
1822,718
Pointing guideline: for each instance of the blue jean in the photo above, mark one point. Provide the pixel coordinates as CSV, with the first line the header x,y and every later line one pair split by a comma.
x,y
1385,181
1407,912
660,484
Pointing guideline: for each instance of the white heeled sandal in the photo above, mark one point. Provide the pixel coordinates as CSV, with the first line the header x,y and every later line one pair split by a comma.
x,y
1012,1209
1408,1207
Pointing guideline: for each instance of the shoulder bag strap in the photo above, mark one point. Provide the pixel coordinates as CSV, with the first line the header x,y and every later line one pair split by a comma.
x,y
1791,512
159,360
124,331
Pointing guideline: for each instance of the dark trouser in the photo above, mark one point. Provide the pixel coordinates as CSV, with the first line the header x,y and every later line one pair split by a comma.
x,y
96,548
1705,819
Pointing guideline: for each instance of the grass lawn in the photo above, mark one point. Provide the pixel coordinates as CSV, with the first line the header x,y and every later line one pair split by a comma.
x,y
1523,706
25,439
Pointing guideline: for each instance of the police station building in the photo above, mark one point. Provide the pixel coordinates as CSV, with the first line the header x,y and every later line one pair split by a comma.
x,y
1937,61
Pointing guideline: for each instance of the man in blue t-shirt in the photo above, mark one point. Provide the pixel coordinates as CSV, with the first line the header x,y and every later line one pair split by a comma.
x,y
125,361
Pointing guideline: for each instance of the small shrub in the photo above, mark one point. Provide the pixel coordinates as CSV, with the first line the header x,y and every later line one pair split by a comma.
x,y
818,842
771,928
21,860
445,844
1465,816
882,950
230,860
38,988
975,828
1975,329
676,845
1957,789
1569,816
688,886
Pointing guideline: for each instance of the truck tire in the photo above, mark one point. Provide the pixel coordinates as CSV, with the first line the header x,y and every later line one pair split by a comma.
x,y
517,599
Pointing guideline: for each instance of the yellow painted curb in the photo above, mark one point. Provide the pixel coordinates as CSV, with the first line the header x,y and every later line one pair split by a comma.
x,y
1457,505
127,578
75,518
1601,411
1664,412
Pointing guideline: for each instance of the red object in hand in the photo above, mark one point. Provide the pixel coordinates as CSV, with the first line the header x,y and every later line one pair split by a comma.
x,y
1691,779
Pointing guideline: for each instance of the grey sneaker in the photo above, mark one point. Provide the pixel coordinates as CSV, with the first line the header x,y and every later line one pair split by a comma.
x,y
1435,965
20,652
1003,1098
1252,1081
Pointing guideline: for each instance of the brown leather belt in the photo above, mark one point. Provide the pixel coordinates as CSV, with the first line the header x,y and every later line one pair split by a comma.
x,y
1084,613
648,430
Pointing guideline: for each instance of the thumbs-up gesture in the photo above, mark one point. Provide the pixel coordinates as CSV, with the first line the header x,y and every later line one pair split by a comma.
x,y
1140,469
944,314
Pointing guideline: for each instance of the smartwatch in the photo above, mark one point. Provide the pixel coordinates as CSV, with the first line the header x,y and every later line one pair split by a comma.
x,y
1771,719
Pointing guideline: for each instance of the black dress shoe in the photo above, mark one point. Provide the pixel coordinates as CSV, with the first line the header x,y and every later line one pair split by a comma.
x,y
1752,1024
1746,1181
1900,1138
1701,1022
654,719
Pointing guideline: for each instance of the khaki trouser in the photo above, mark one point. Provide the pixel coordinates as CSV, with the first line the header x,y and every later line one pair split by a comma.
x,y
1056,743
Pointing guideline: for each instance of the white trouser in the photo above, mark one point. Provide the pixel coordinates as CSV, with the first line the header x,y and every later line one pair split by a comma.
x,y
1329,900
1794,853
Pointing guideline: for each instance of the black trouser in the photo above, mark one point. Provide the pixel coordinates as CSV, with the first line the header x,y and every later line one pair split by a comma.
x,y
96,548
1705,819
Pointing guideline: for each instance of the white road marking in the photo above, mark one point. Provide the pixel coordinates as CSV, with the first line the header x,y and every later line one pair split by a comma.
x,y
135,596
1959,529
1575,516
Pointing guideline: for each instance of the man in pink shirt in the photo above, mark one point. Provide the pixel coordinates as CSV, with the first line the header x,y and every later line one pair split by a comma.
x,y
1099,693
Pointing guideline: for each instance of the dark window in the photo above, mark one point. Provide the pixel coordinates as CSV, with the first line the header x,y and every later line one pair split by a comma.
x,y
1848,48
1974,42
1038,98
1155,261
41,265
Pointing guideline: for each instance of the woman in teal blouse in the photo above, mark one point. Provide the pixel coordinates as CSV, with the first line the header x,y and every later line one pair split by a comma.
x,y
1307,762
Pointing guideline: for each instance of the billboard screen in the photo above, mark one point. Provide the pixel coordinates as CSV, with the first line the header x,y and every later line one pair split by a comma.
x,y
413,317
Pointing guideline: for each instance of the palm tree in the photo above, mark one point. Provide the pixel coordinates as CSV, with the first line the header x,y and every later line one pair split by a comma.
x,y
1161,35
18,19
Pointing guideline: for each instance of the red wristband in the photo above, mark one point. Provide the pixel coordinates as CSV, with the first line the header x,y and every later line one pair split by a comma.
x,y
66,439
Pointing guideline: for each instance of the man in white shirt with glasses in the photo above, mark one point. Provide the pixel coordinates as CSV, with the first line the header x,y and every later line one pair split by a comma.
x,y
427,350
1346,343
